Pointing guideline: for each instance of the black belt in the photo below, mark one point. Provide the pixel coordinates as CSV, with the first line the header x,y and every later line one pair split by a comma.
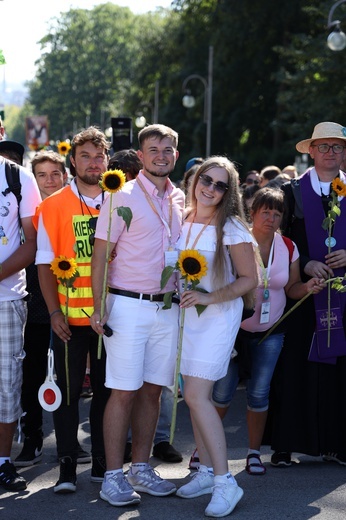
x,y
150,297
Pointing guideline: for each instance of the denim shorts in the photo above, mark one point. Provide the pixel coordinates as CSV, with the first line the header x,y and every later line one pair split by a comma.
x,y
263,361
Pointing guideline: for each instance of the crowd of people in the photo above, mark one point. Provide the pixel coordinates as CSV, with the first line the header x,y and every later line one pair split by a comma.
x,y
274,239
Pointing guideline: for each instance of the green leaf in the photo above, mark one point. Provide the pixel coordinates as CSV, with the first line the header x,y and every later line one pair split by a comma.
x,y
336,210
332,215
126,214
167,299
165,275
325,224
200,308
2,58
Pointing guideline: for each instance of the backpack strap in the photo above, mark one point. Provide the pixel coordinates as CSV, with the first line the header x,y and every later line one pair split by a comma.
x,y
289,245
14,185
12,178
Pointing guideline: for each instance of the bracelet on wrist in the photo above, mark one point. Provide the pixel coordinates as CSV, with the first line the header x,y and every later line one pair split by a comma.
x,y
54,312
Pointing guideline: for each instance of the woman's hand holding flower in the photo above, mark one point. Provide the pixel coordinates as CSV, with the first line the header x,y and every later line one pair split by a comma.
x,y
191,298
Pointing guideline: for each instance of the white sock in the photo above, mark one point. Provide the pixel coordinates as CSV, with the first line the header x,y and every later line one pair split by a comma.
x,y
250,451
139,466
112,472
225,479
254,460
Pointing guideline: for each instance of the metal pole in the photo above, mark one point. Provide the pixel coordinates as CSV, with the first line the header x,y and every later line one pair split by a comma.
x,y
331,12
209,99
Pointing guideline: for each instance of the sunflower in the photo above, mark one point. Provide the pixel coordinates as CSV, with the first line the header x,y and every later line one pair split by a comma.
x,y
64,268
64,148
192,265
113,180
339,187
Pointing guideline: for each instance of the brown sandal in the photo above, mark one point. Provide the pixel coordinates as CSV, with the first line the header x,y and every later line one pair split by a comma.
x,y
251,465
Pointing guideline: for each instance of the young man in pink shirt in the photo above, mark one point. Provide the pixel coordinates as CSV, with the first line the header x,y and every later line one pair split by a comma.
x,y
142,350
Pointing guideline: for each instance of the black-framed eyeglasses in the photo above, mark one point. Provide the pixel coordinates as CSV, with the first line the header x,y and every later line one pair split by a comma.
x,y
252,181
92,226
219,186
324,148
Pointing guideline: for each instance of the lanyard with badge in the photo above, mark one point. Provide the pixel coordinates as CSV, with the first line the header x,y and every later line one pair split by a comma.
x,y
171,255
265,306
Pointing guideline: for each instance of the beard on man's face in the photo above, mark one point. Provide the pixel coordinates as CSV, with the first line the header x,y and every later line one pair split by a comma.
x,y
89,178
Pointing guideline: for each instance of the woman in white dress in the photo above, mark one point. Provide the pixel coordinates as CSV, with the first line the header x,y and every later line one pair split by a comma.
x,y
214,226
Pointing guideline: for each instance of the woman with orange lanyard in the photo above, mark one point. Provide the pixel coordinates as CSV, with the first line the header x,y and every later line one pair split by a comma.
x,y
214,226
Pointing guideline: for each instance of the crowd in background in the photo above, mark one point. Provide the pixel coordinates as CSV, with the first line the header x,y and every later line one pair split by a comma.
x,y
265,236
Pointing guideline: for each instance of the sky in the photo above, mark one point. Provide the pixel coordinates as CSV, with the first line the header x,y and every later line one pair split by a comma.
x,y
24,22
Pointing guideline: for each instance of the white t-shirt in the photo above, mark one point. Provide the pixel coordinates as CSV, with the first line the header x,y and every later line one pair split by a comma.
x,y
13,287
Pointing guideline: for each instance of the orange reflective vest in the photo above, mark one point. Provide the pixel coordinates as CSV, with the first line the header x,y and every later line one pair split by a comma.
x,y
68,231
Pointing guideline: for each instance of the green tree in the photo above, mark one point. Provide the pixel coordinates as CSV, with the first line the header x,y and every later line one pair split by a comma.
x,y
273,76
86,67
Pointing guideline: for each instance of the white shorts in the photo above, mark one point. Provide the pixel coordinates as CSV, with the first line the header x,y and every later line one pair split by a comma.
x,y
143,346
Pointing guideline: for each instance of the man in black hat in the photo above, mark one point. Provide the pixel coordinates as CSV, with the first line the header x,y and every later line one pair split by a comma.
x,y
12,150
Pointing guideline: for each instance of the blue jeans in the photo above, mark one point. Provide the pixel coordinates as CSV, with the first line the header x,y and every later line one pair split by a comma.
x,y
263,361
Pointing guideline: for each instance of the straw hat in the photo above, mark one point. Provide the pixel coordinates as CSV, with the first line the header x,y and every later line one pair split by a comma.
x,y
326,130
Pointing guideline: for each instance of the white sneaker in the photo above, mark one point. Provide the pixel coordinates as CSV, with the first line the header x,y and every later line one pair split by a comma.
x,y
201,483
118,492
226,496
148,481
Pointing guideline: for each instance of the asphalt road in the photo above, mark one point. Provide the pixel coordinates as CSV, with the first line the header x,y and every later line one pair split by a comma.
x,y
310,488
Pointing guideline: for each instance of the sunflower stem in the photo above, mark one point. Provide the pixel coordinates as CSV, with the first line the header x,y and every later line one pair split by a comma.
x,y
105,275
328,288
67,372
176,376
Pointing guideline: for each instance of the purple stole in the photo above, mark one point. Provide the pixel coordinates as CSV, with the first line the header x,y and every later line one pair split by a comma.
x,y
316,237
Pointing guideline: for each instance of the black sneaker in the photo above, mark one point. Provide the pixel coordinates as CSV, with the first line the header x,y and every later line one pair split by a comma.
x,y
31,453
98,469
166,452
9,478
83,456
67,479
281,459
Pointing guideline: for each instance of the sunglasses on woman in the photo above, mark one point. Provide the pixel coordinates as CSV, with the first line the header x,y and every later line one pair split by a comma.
x,y
219,186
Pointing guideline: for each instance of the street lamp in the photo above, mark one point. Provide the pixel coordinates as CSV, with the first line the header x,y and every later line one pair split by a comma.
x,y
337,39
189,100
140,120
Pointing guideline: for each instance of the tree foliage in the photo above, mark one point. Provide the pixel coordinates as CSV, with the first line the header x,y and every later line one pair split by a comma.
x,y
273,76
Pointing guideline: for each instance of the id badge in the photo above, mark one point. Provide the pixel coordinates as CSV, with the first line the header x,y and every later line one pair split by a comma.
x,y
265,310
171,258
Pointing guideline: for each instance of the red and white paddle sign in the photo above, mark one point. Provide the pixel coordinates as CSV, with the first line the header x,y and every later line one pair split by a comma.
x,y
49,394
